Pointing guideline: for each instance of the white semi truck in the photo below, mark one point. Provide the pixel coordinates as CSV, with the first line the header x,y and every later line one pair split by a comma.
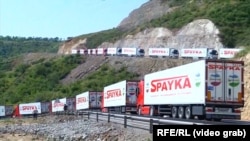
x,y
89,100
207,89
199,53
163,52
121,97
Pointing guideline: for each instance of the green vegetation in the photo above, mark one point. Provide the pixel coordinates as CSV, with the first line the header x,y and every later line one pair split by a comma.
x,y
243,52
230,16
14,46
41,80
96,39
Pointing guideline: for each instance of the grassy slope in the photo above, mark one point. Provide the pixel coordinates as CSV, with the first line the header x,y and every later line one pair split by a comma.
x,y
40,81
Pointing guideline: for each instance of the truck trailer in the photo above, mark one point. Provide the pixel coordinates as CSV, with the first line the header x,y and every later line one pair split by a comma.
x,y
163,52
206,89
89,100
120,97
199,53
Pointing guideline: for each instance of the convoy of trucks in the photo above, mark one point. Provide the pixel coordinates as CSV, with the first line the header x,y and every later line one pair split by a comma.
x,y
193,53
205,89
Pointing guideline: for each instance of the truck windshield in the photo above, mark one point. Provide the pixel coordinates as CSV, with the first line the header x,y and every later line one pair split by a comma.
x,y
141,50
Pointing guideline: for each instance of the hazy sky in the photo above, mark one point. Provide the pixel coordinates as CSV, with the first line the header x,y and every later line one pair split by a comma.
x,y
62,18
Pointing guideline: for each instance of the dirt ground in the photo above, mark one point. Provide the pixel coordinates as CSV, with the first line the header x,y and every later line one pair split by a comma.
x,y
19,137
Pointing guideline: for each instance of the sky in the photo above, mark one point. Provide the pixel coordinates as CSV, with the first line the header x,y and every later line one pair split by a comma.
x,y
62,18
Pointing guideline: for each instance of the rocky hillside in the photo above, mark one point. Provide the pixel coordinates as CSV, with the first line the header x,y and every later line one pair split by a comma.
x,y
139,66
246,109
199,33
148,11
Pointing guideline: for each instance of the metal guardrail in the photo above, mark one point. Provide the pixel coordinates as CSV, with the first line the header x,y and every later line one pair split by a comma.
x,y
146,120
150,121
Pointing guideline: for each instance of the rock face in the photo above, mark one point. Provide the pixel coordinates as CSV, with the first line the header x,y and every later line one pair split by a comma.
x,y
246,110
197,34
72,44
148,11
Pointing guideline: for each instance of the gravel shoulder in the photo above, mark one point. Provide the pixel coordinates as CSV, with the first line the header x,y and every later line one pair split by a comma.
x,y
67,128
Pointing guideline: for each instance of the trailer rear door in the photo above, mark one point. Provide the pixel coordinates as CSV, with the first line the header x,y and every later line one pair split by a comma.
x,y
225,81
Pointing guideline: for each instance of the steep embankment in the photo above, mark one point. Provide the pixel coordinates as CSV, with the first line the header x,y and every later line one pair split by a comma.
x,y
246,109
91,64
140,66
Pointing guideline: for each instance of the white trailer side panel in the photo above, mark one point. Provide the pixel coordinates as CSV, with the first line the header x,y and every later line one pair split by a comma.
x,y
2,111
74,51
158,52
82,101
58,105
115,94
81,51
180,85
194,52
111,51
129,51
225,81
100,51
228,52
28,108
94,51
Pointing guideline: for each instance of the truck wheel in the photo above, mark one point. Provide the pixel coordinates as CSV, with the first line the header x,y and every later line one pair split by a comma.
x,y
139,111
188,113
174,112
180,112
151,111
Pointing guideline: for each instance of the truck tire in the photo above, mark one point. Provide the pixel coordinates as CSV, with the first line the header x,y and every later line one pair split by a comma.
x,y
139,111
180,112
151,112
188,112
174,112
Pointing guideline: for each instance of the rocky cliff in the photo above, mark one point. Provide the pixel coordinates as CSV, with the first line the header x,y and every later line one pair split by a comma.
x,y
246,109
148,11
199,33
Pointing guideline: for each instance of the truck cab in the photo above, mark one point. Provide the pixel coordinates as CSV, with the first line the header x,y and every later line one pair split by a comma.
x,y
140,52
212,53
141,109
173,53
119,51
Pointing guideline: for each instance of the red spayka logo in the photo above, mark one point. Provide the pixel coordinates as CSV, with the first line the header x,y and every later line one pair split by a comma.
x,y
58,105
192,52
173,83
113,93
81,100
230,52
29,108
158,51
222,67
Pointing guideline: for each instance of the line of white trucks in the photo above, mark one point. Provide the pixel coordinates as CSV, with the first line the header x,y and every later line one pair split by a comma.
x,y
195,53
206,89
